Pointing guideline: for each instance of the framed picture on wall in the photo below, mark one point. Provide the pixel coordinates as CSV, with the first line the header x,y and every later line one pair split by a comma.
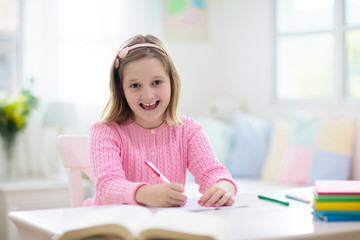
x,y
186,20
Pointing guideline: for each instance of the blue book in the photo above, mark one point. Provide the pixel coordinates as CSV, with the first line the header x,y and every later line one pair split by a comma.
x,y
332,216
346,213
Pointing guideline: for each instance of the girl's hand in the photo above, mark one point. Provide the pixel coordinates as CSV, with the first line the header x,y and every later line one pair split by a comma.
x,y
161,195
220,194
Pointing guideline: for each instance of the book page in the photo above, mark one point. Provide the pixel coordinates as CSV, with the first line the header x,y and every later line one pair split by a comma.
x,y
180,224
121,220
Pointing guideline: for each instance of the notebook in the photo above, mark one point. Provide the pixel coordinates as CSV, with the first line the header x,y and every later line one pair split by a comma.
x,y
337,187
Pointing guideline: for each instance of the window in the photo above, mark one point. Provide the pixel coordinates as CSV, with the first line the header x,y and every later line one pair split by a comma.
x,y
317,49
352,43
10,40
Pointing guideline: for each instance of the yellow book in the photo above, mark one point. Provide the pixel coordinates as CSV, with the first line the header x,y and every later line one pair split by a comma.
x,y
337,206
137,222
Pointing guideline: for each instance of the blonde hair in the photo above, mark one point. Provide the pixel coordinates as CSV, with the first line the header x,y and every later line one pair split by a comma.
x,y
117,108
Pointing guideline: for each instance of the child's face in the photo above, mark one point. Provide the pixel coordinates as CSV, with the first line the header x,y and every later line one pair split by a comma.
x,y
147,89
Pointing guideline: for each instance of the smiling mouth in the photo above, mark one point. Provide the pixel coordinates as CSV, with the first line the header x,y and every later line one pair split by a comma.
x,y
149,106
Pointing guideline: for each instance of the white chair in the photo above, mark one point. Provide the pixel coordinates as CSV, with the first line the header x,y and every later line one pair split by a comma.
x,y
74,153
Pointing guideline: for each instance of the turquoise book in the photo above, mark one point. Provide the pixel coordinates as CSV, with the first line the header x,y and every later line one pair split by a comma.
x,y
333,216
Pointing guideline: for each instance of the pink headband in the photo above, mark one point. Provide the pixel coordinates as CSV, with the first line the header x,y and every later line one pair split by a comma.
x,y
124,51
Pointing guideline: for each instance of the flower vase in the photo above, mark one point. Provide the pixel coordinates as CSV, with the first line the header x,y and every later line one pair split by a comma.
x,y
8,169
7,145
11,164
7,162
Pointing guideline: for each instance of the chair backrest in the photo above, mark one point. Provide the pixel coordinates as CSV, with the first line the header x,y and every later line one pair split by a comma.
x,y
74,153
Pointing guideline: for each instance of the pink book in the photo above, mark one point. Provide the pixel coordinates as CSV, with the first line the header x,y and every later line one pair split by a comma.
x,y
337,187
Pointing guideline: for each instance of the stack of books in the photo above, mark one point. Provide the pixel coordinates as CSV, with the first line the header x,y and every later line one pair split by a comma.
x,y
337,200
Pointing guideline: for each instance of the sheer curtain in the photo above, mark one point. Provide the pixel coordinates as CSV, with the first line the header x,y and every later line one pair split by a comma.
x,y
68,49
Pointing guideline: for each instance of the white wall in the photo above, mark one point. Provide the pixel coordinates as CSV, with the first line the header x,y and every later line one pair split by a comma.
x,y
49,59
248,45
236,61
201,65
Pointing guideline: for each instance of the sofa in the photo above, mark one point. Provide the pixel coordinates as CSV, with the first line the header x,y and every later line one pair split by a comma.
x,y
286,153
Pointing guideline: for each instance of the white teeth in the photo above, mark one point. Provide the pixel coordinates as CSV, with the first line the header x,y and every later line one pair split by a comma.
x,y
149,104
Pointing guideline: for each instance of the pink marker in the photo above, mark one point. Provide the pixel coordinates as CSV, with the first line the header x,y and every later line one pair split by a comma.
x,y
157,172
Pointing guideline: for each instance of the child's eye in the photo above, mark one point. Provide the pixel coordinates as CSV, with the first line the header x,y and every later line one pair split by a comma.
x,y
157,82
135,85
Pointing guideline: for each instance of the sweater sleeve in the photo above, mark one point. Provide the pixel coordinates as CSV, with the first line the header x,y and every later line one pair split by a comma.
x,y
203,163
111,185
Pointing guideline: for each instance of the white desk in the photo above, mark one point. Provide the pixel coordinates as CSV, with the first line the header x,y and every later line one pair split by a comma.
x,y
260,220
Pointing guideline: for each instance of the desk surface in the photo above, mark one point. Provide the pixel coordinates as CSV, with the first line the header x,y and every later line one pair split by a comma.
x,y
261,219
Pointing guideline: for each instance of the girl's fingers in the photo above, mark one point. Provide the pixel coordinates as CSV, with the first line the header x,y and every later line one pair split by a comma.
x,y
214,198
176,202
176,187
226,200
219,198
177,192
218,195
230,202
176,197
161,195
207,195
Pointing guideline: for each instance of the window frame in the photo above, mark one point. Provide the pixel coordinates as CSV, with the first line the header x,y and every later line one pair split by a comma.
x,y
338,31
15,39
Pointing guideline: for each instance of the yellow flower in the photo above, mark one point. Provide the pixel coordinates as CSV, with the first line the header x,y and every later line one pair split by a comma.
x,y
14,112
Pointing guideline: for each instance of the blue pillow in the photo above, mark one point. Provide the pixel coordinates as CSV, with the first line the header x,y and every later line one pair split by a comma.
x,y
251,141
220,135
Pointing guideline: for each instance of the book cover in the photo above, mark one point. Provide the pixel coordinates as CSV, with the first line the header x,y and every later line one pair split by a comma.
x,y
335,198
345,213
335,217
343,205
137,222
337,187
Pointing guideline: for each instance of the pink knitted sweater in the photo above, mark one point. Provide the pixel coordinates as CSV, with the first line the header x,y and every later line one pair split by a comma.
x,y
117,154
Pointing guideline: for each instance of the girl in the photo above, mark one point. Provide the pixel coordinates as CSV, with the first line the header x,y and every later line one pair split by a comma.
x,y
140,123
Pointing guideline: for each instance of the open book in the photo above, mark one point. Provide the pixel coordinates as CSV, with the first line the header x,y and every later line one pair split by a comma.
x,y
137,222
